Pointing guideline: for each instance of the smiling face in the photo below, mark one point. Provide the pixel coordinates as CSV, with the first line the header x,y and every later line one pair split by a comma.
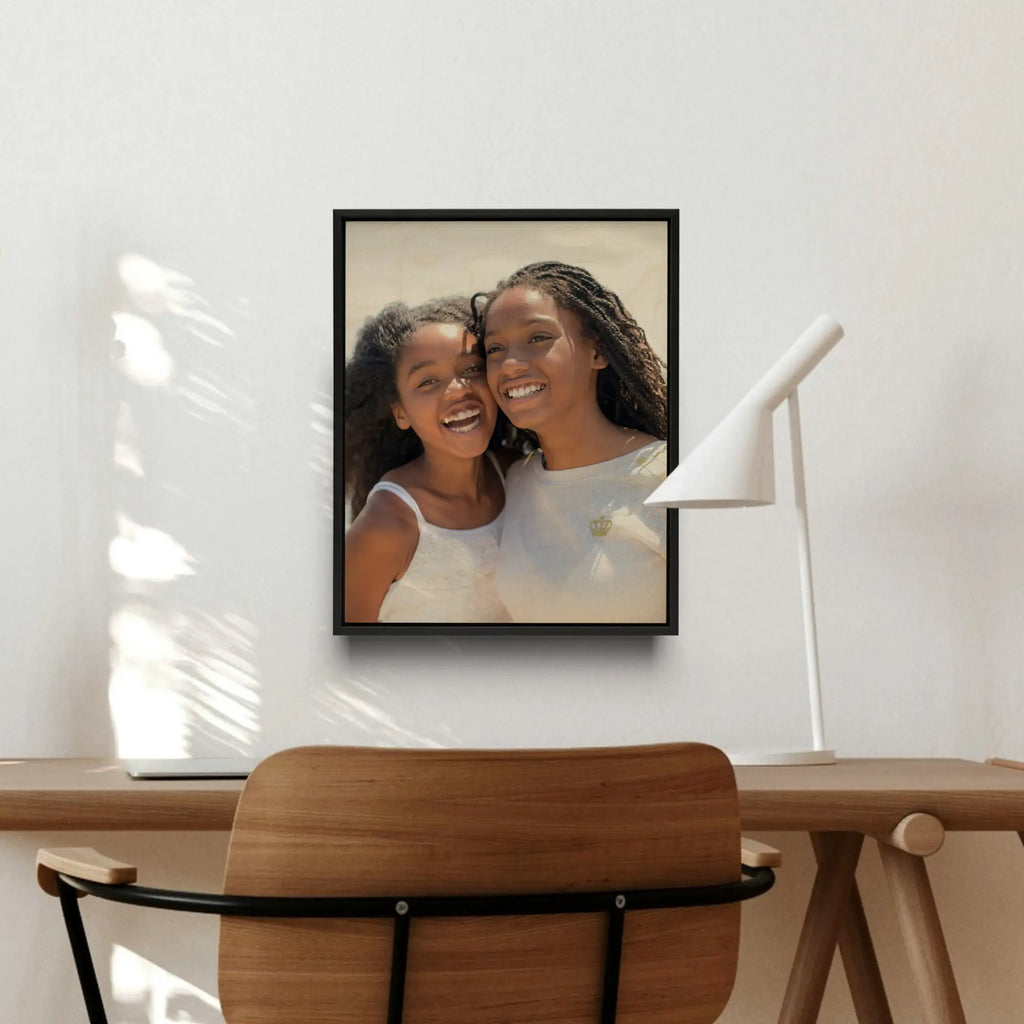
x,y
442,391
540,365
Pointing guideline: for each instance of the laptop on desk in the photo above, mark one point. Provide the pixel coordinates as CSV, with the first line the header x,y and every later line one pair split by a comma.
x,y
190,767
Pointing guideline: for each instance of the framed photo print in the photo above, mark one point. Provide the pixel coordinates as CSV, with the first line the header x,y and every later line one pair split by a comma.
x,y
505,387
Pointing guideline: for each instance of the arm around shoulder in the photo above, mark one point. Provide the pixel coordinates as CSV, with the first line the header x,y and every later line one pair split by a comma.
x,y
379,546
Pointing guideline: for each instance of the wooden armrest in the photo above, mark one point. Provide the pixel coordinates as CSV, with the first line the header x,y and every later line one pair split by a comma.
x,y
83,862
1005,762
758,855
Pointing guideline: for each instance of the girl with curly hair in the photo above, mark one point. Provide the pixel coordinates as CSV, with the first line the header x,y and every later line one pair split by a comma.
x,y
569,365
426,492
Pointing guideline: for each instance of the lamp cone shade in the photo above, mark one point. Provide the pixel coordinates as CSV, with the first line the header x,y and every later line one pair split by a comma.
x,y
733,466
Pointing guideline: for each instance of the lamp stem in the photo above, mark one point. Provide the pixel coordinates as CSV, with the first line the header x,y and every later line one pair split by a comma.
x,y
806,581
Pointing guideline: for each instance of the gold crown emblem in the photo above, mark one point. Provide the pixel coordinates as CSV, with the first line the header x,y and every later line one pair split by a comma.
x,y
600,527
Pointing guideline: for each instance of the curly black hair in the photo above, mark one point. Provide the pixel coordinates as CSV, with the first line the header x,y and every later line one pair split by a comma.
x,y
373,442
631,389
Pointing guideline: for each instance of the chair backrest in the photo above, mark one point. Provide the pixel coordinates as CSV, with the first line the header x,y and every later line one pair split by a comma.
x,y
347,821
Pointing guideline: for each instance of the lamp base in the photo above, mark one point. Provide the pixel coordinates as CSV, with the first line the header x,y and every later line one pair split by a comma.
x,y
767,757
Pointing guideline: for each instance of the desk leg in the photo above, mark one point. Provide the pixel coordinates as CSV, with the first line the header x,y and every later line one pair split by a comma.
x,y
858,953
922,936
839,852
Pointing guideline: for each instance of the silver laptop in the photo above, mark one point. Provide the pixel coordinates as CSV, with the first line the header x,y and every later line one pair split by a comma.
x,y
190,767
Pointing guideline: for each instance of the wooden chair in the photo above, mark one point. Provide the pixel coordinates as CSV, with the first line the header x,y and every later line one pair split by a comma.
x,y
555,886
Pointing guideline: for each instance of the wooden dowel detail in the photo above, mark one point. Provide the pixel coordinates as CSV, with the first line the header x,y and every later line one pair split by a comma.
x,y
758,855
816,948
858,952
919,834
922,936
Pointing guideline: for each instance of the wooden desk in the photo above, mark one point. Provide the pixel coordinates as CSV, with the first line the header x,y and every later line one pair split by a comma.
x,y
93,794
871,795
868,796
838,805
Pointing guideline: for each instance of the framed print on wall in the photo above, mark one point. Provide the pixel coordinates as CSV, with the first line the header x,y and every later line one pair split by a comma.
x,y
505,382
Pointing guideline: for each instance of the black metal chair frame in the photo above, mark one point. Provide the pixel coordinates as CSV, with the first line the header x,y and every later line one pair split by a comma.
x,y
402,909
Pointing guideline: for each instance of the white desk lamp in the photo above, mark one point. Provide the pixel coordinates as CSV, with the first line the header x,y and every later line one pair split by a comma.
x,y
734,466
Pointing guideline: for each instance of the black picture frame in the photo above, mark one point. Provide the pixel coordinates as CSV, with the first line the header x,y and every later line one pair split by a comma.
x,y
349,313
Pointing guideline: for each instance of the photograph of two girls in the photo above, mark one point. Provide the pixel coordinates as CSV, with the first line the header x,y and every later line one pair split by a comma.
x,y
504,396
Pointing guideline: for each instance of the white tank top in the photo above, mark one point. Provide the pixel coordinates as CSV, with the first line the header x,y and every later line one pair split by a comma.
x,y
451,575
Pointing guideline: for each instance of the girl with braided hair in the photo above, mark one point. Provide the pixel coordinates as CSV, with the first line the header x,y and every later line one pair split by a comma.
x,y
426,493
568,364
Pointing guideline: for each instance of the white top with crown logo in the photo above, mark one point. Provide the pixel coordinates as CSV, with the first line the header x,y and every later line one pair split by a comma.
x,y
578,545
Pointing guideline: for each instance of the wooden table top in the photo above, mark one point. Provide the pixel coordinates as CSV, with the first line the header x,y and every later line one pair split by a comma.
x,y
871,795
85,794
857,795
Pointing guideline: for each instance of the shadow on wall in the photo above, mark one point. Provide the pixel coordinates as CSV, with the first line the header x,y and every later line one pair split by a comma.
x,y
367,710
380,691
144,992
321,461
183,678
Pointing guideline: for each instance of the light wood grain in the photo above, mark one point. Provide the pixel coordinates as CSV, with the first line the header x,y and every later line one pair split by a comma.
x,y
922,936
430,822
853,795
919,834
820,932
755,854
82,862
857,951
1005,762
872,795
96,794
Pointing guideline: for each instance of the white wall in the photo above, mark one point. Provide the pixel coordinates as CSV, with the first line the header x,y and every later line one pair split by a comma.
x,y
860,159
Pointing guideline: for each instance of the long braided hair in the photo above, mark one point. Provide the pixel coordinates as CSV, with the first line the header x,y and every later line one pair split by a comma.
x,y
631,389
373,442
